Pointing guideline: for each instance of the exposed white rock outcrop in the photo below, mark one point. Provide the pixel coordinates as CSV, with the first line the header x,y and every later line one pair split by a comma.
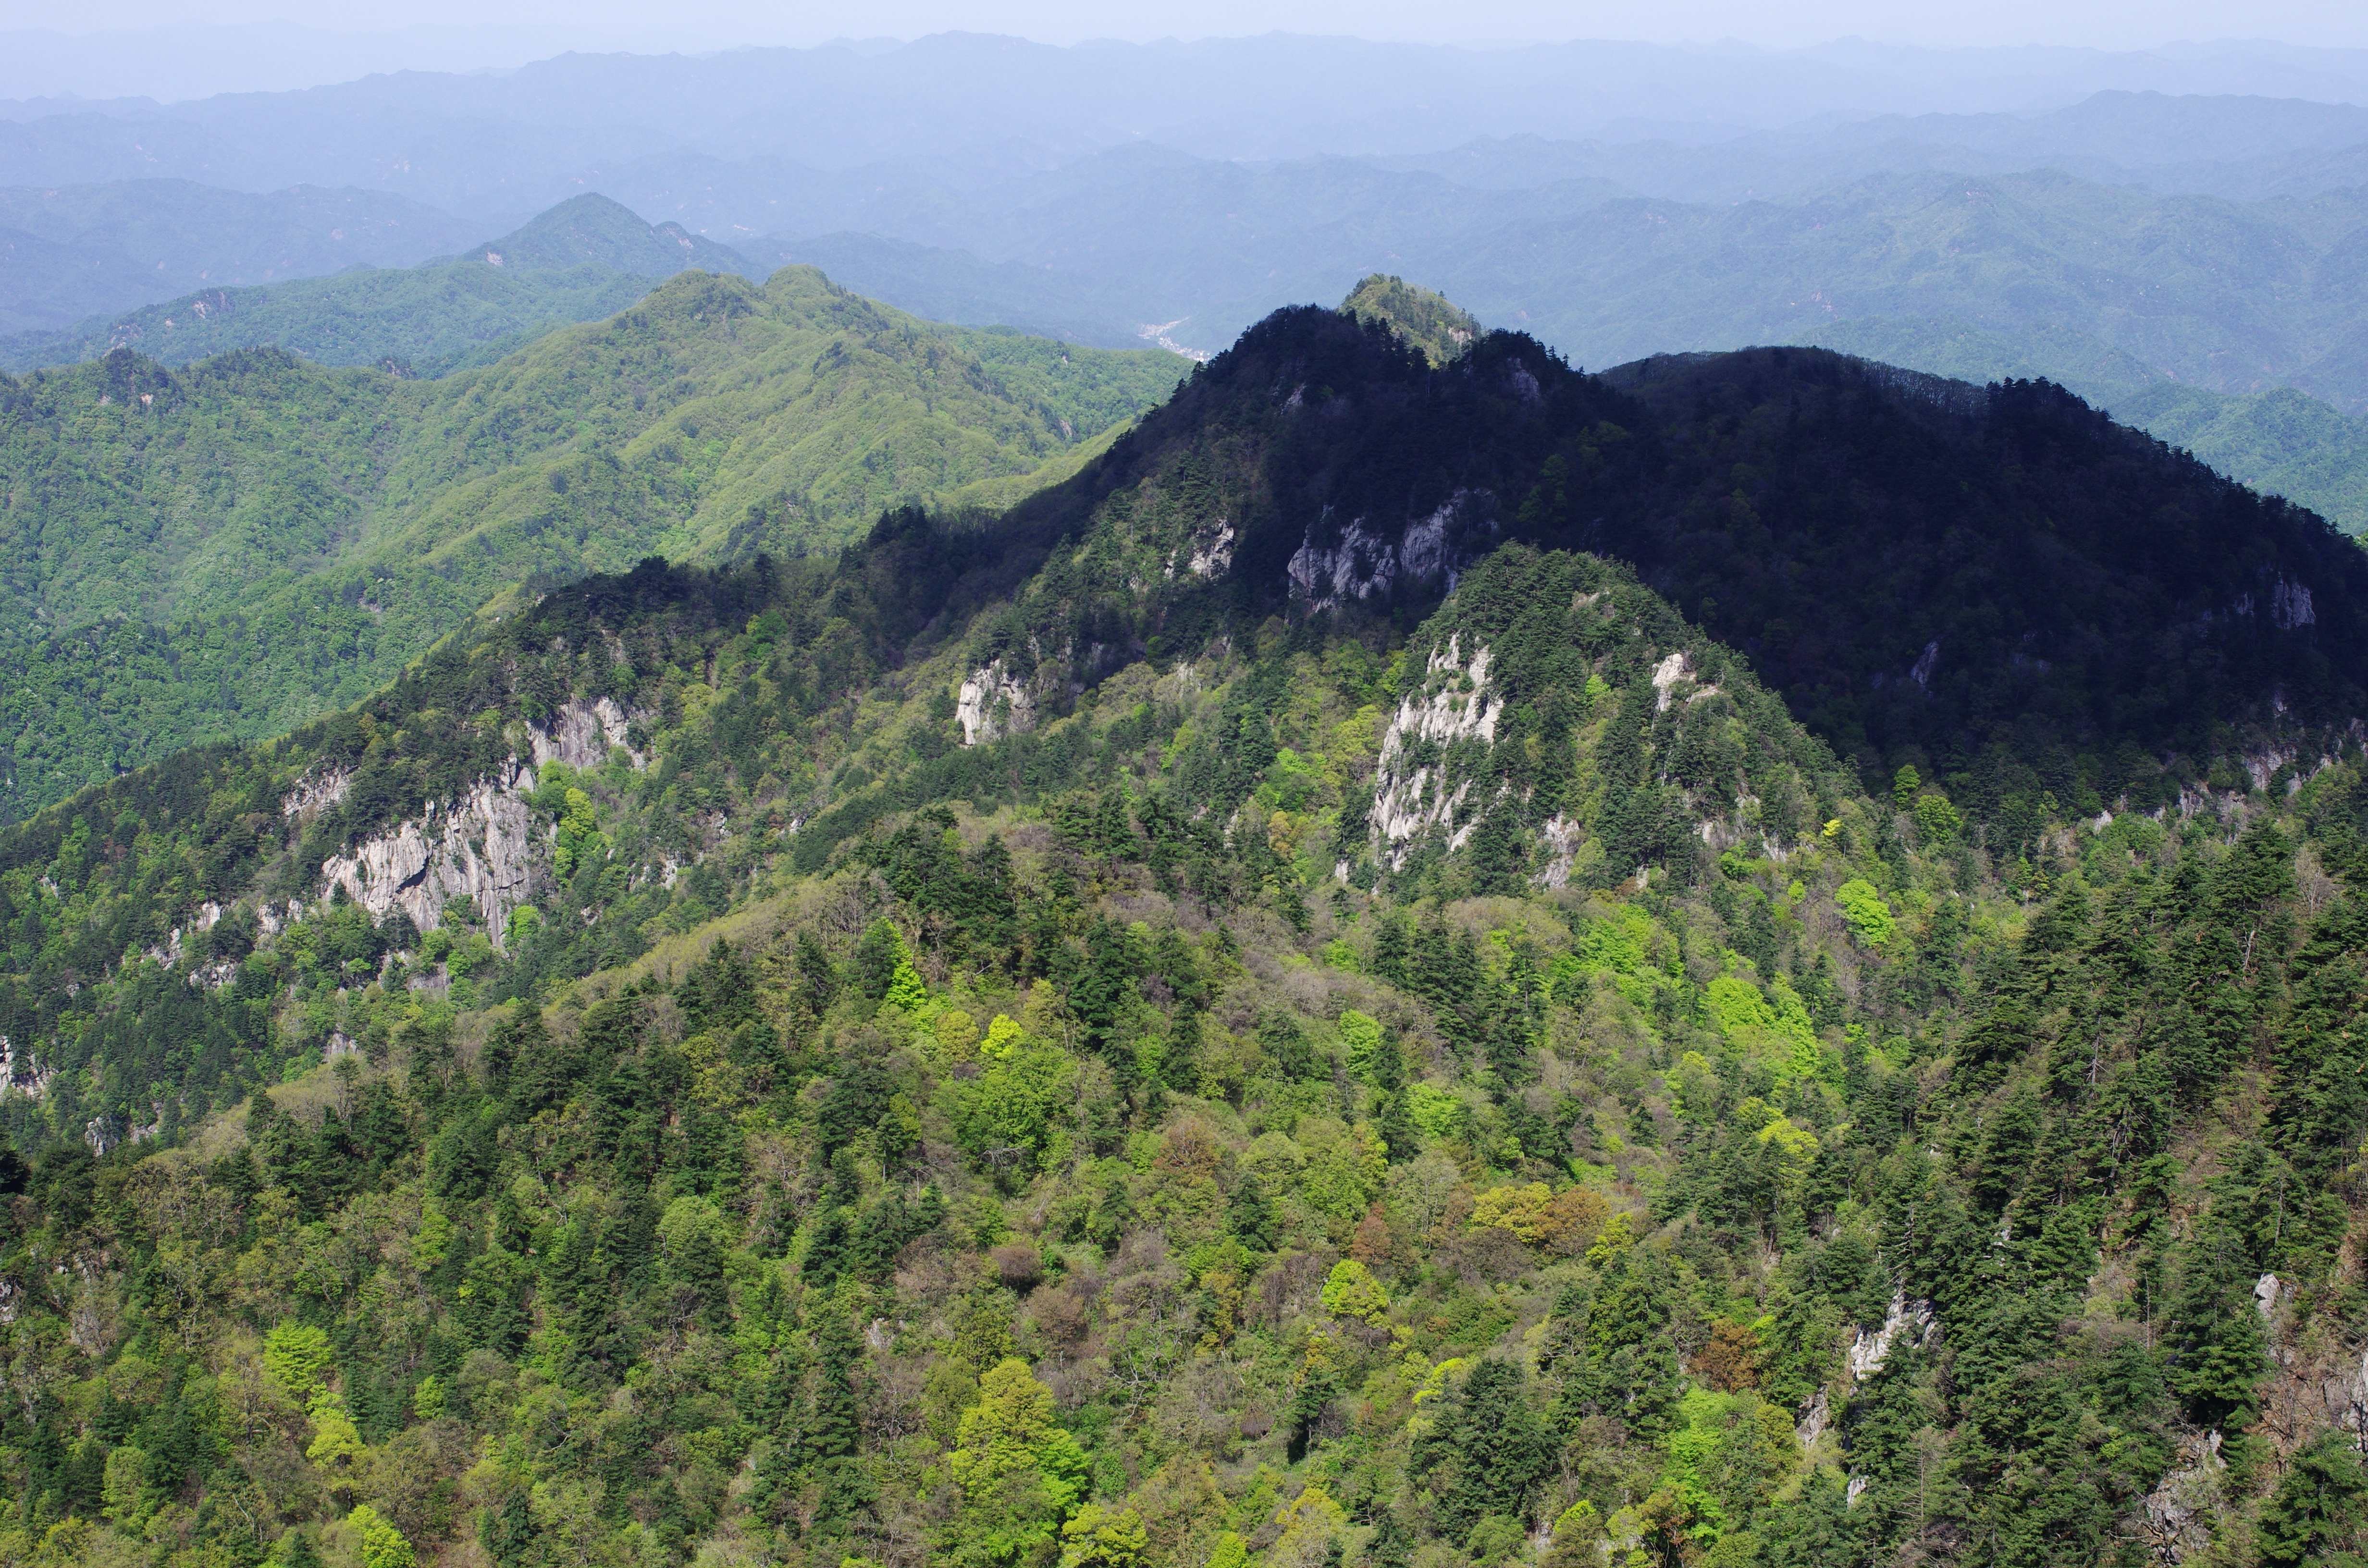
x,y
1665,675
2290,606
1815,1418
1675,673
1364,561
581,733
1453,703
20,1073
2176,1516
316,793
994,702
479,847
207,915
1205,555
1562,839
1869,1351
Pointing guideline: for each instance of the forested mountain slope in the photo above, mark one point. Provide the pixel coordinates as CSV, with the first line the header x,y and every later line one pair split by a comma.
x,y
1999,588
584,259
232,548
803,1064
2280,442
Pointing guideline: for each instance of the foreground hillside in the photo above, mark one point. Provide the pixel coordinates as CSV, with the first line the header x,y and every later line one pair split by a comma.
x,y
234,548
1037,1044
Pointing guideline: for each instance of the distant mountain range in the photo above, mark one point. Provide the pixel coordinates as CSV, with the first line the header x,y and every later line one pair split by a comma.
x,y
586,258
2151,250
70,251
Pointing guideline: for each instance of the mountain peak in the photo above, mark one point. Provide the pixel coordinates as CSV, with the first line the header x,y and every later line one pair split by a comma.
x,y
593,230
1427,321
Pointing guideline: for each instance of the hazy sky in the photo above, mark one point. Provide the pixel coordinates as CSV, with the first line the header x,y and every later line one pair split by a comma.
x,y
707,24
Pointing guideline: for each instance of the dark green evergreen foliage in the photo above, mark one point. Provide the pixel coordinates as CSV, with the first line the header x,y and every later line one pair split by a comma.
x,y
1487,1451
876,958
1250,1217
2319,1514
1832,519
2003,511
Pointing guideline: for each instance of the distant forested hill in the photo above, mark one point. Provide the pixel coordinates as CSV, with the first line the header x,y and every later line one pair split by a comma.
x,y
586,258
228,548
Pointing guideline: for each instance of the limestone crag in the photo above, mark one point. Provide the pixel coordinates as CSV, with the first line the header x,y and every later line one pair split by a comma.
x,y
480,846
994,702
1410,797
20,1073
1205,554
1363,560
582,735
316,794
1563,839
1673,673
1869,1351
203,920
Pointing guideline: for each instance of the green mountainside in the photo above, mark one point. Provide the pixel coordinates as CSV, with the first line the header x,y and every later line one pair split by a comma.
x,y
230,549
585,259
2280,442
427,320
1080,1037
1999,588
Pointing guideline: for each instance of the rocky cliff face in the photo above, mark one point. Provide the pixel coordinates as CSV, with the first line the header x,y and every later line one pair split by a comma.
x,y
483,846
480,848
581,734
1364,561
994,702
1410,794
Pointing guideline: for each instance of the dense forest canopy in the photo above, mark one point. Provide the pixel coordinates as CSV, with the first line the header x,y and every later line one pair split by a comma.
x,y
1148,1033
229,549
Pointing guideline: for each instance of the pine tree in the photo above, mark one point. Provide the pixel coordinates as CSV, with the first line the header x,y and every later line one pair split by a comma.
x,y
832,1436
2319,1513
